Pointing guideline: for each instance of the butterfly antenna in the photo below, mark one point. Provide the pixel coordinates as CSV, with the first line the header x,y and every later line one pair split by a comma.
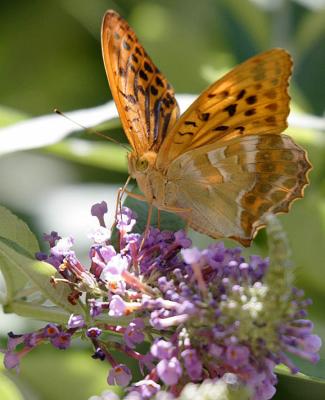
x,y
90,130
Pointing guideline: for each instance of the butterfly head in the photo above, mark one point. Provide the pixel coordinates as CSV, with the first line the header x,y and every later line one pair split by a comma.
x,y
140,165
143,169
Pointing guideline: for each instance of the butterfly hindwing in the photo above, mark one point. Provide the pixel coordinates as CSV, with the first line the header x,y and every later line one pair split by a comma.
x,y
144,99
251,99
229,188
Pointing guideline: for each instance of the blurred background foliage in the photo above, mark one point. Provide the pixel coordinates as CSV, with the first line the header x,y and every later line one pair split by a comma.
x,y
51,57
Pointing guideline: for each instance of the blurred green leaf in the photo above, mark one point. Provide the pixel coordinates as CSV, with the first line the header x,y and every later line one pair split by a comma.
x,y
8,390
252,19
10,116
310,29
283,370
70,374
96,154
112,123
298,387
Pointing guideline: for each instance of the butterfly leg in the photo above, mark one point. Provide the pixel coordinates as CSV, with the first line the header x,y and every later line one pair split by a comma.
x,y
120,194
141,197
136,196
145,234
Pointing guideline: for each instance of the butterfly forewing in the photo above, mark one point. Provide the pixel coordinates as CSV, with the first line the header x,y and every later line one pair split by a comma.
x,y
251,99
144,98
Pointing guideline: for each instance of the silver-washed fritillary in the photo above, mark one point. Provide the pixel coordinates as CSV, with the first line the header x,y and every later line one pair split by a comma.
x,y
223,164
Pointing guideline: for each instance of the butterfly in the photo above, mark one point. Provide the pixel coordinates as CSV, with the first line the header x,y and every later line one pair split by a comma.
x,y
223,164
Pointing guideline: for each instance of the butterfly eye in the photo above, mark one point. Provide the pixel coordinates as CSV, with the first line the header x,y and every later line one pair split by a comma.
x,y
141,164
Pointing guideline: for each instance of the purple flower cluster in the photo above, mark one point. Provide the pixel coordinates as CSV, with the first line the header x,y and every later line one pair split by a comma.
x,y
208,314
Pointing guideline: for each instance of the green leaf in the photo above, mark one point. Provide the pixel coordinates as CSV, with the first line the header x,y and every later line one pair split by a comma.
x,y
24,275
39,275
14,229
16,233
97,154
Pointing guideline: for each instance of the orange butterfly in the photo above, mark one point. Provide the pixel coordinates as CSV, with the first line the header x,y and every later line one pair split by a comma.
x,y
223,164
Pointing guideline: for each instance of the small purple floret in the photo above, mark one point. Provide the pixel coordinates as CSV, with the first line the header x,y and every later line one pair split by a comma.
x,y
119,375
99,210
169,371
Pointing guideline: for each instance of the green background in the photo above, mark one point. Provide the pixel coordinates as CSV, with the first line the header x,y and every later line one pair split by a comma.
x,y
50,57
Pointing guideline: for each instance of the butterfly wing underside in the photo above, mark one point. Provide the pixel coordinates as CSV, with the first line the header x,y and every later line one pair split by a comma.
x,y
225,158
144,99
231,187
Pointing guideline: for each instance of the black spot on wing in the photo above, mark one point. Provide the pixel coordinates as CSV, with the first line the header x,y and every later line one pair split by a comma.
x,y
231,109
154,90
143,75
147,67
271,119
241,94
240,128
204,116
250,112
168,100
159,82
185,133
272,107
251,99
134,58
192,123
221,128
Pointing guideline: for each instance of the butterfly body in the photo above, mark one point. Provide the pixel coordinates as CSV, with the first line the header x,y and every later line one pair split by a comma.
x,y
151,181
223,164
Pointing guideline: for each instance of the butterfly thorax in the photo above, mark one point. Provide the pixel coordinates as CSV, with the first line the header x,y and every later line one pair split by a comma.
x,y
151,181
